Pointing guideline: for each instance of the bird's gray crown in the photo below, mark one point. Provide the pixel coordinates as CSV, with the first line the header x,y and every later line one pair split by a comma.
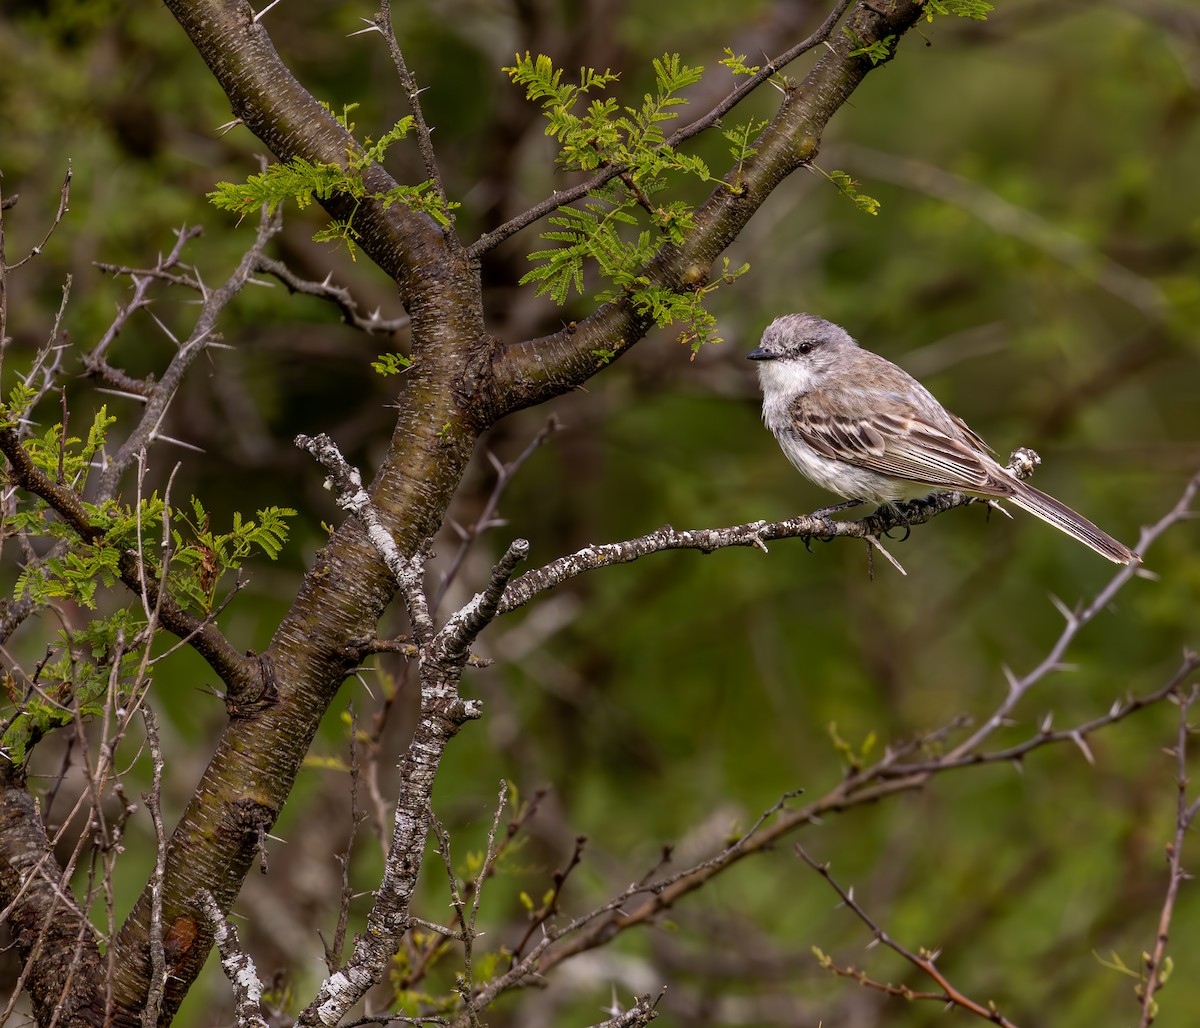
x,y
798,335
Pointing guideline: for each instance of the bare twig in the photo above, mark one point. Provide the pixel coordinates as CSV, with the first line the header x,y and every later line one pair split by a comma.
x,y
203,334
924,961
487,516
424,141
496,847
538,918
1077,619
1156,967
333,953
64,199
372,323
153,800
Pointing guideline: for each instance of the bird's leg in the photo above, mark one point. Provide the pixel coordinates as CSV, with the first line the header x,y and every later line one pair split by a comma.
x,y
824,512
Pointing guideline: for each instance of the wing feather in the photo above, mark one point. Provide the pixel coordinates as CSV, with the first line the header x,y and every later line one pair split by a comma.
x,y
935,449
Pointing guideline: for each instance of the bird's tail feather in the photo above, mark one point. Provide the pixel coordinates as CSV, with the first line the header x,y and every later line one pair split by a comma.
x,y
1075,525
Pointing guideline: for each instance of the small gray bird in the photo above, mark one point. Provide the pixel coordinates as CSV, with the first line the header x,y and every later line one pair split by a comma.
x,y
863,428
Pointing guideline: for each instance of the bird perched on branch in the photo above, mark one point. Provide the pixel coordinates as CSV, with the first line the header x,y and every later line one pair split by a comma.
x,y
861,427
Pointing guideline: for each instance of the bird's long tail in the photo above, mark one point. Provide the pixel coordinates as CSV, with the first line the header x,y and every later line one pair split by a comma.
x,y
1075,525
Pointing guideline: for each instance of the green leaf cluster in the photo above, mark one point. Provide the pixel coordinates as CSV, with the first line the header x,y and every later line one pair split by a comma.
x,y
736,63
302,181
74,678
848,187
620,226
391,364
876,51
200,558
73,685
975,9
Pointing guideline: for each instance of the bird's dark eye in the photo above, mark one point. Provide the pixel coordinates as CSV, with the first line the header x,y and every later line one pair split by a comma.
x,y
806,348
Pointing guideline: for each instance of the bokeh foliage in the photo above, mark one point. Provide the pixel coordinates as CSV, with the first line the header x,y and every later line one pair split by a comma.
x,y
1034,260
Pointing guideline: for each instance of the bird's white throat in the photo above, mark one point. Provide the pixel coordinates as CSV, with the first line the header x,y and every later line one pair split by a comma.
x,y
789,378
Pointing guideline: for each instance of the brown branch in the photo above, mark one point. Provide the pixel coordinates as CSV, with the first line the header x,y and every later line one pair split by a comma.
x,y
424,141
1155,969
340,296
862,786
923,961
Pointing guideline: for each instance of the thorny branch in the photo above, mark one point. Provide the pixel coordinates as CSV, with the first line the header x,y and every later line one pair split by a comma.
x,y
383,21
923,961
1156,966
340,296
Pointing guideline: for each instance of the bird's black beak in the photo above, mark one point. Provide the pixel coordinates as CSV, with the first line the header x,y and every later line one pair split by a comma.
x,y
761,355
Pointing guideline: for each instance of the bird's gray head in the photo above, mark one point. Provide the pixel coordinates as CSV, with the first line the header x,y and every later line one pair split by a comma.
x,y
798,351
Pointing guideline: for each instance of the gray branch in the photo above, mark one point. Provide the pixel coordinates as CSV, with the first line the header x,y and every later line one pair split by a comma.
x,y
353,497
237,965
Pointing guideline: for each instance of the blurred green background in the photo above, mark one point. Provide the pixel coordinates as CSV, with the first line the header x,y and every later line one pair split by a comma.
x,y
1035,261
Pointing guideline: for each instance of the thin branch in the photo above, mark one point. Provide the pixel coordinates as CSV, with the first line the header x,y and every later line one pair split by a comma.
x,y
1156,969
1076,620
923,961
424,141
707,540
64,199
333,953
153,800
202,335
372,324
538,959
496,848
867,785
487,516
1121,709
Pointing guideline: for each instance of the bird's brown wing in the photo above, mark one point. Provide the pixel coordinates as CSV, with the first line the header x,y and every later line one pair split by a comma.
x,y
939,451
